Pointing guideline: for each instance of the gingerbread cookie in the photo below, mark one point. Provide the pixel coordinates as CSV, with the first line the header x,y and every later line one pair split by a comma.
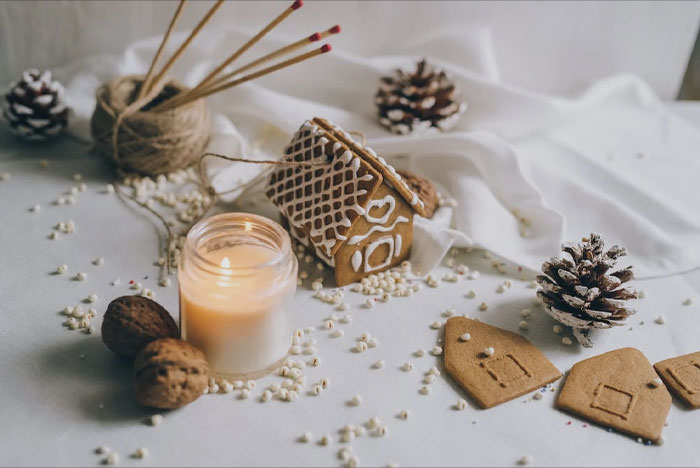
x,y
352,209
493,365
682,375
617,389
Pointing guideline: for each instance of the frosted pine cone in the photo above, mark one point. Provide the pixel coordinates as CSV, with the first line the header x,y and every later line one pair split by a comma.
x,y
580,293
34,107
418,102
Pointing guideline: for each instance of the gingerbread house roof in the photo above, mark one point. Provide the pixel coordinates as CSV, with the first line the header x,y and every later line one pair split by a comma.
x,y
325,199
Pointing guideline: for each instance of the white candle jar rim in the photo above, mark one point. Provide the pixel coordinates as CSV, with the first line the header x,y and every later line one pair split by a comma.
x,y
231,229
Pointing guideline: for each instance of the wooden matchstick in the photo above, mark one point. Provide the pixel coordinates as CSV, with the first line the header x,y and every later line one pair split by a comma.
x,y
167,105
147,81
273,55
188,95
186,43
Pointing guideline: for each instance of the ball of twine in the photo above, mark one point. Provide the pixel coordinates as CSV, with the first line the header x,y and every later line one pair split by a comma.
x,y
141,140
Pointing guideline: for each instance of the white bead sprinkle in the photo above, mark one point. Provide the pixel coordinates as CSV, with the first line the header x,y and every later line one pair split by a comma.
x,y
337,334
92,298
407,367
461,404
489,351
425,390
140,453
328,324
81,276
471,294
112,459
483,306
405,414
465,337
688,301
661,319
436,325
306,437
566,341
523,325
657,382
361,347
525,460
156,419
556,329
369,303
526,314
436,351
356,400
98,261
419,352
537,396
378,364
102,449
325,440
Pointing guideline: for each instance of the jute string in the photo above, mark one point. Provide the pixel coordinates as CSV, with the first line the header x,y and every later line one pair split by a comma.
x,y
145,141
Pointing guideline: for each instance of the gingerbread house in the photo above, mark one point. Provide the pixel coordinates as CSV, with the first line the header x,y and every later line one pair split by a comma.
x,y
351,207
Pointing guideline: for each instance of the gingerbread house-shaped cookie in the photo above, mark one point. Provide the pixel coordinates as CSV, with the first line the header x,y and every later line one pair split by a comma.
x,y
350,206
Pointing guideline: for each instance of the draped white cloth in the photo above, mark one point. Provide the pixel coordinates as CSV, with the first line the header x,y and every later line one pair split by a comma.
x,y
567,166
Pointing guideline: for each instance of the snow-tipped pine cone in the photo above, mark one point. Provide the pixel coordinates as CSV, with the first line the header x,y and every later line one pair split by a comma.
x,y
580,292
34,107
418,102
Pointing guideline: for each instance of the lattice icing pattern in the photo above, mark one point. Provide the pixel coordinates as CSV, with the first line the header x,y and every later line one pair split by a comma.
x,y
389,173
323,200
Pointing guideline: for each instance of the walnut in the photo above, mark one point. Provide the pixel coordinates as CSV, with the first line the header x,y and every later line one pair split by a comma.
x,y
169,373
131,322
424,189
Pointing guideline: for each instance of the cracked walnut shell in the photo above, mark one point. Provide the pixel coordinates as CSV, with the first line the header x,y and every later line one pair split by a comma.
x,y
131,322
169,373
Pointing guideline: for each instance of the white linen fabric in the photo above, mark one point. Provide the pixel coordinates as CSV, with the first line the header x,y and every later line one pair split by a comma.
x,y
590,163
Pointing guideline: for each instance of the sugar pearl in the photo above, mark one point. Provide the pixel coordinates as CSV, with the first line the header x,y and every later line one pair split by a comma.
x,y
430,378
525,313
369,303
337,334
373,342
156,419
419,353
661,319
483,306
407,367
523,325
461,404
328,324
566,341
140,453
525,460
557,329
81,276
102,449
434,371
405,414
325,440
361,347
489,351
465,337
425,390
437,350
688,301
306,437
112,459
373,422
379,364
356,400
537,396
436,325
657,382
471,294
381,431
92,298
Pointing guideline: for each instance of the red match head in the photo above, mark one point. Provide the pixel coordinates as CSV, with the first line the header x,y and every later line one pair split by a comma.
x,y
335,29
297,4
315,37
326,48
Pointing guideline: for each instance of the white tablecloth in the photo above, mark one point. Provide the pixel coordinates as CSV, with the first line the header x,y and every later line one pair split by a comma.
x,y
57,407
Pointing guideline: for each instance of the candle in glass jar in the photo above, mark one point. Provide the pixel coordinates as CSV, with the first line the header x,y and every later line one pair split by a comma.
x,y
237,278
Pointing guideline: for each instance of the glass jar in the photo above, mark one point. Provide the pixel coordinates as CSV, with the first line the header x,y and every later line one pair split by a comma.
x,y
237,277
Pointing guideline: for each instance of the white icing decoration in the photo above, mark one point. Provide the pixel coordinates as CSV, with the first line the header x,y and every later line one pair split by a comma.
x,y
356,260
372,246
398,242
300,209
389,199
360,237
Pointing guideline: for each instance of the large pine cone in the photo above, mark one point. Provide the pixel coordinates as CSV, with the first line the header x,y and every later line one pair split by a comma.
x,y
34,107
426,100
581,293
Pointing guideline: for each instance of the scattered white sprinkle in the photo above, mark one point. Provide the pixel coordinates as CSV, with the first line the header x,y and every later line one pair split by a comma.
x,y
156,419
657,382
325,440
381,431
353,461
436,325
98,261
374,422
523,325
483,306
306,437
405,414
81,276
378,364
112,459
661,440
337,334
449,312
430,378
525,460
557,329
35,209
116,281
471,294
661,319
356,400
61,269
688,301
461,404
419,352
465,337
424,390
369,303
361,347
436,351
489,351
92,298
526,314
102,449
53,235
407,367
537,396
566,341
434,371
328,324
140,453
641,294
